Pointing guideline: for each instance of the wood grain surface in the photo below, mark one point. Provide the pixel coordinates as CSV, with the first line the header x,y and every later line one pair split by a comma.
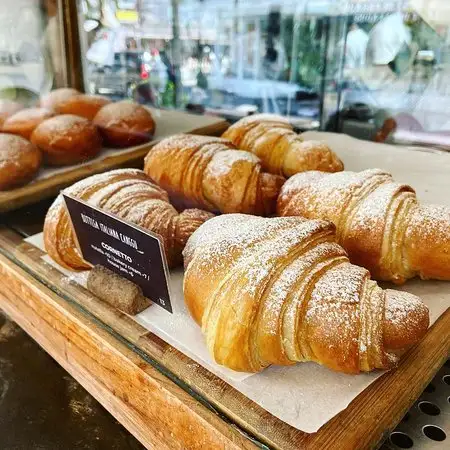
x,y
157,411
167,124
365,423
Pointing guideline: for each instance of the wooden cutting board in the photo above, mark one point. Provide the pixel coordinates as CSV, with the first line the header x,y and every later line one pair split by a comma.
x,y
50,181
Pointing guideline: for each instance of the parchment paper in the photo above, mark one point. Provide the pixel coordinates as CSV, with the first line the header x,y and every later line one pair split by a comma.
x,y
307,395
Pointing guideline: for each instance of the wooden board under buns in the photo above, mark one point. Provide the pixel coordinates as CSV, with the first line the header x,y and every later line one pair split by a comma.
x,y
50,181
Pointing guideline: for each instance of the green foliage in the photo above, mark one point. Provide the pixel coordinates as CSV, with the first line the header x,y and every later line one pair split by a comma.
x,y
310,51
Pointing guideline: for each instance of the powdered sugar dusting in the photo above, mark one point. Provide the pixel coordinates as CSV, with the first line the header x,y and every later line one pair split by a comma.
x,y
12,148
401,306
433,221
225,161
29,114
372,210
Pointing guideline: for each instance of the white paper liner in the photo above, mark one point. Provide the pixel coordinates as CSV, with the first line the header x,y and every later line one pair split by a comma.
x,y
308,395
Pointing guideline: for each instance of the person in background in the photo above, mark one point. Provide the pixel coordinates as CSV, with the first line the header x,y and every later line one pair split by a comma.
x,y
274,60
355,47
386,39
52,41
381,86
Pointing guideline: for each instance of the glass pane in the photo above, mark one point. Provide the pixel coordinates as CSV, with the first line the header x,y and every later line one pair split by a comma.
x,y
389,72
346,66
227,57
31,50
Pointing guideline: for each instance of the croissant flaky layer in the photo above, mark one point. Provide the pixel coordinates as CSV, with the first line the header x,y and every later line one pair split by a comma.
x,y
379,222
281,290
281,150
131,195
208,173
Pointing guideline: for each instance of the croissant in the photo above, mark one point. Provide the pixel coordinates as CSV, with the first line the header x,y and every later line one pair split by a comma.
x,y
281,150
379,222
208,173
131,195
281,290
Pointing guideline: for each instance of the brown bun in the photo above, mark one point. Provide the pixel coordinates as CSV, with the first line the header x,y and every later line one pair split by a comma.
x,y
83,105
67,139
25,121
124,124
19,161
54,98
7,109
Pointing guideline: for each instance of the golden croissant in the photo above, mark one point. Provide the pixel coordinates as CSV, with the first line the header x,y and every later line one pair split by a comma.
x,y
131,195
379,222
281,290
208,173
281,150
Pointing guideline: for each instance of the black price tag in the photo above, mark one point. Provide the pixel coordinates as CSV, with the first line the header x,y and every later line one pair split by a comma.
x,y
124,248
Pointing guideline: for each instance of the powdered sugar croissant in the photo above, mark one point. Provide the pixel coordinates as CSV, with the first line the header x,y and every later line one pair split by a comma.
x,y
281,150
131,195
379,222
281,290
209,173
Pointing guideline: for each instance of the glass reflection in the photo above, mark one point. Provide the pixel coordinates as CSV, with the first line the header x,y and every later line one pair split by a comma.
x,y
374,69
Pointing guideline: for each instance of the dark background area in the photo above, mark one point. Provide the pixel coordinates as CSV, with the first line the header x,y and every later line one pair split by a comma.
x,y
42,407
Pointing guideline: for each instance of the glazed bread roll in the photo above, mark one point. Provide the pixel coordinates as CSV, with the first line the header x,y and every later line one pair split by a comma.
x,y
379,222
67,139
124,124
281,290
19,161
131,195
83,105
25,121
57,96
7,109
281,150
208,173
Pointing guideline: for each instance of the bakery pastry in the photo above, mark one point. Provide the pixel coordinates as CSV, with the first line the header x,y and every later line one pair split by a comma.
x,y
19,161
67,139
83,105
209,173
7,109
57,96
25,121
124,124
281,150
131,195
281,290
379,222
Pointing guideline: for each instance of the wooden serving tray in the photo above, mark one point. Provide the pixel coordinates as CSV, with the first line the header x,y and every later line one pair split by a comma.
x,y
167,124
164,398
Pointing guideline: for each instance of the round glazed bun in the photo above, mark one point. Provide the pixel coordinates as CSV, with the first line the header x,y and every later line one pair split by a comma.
x,y
83,105
7,109
25,121
67,139
54,98
124,124
19,161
